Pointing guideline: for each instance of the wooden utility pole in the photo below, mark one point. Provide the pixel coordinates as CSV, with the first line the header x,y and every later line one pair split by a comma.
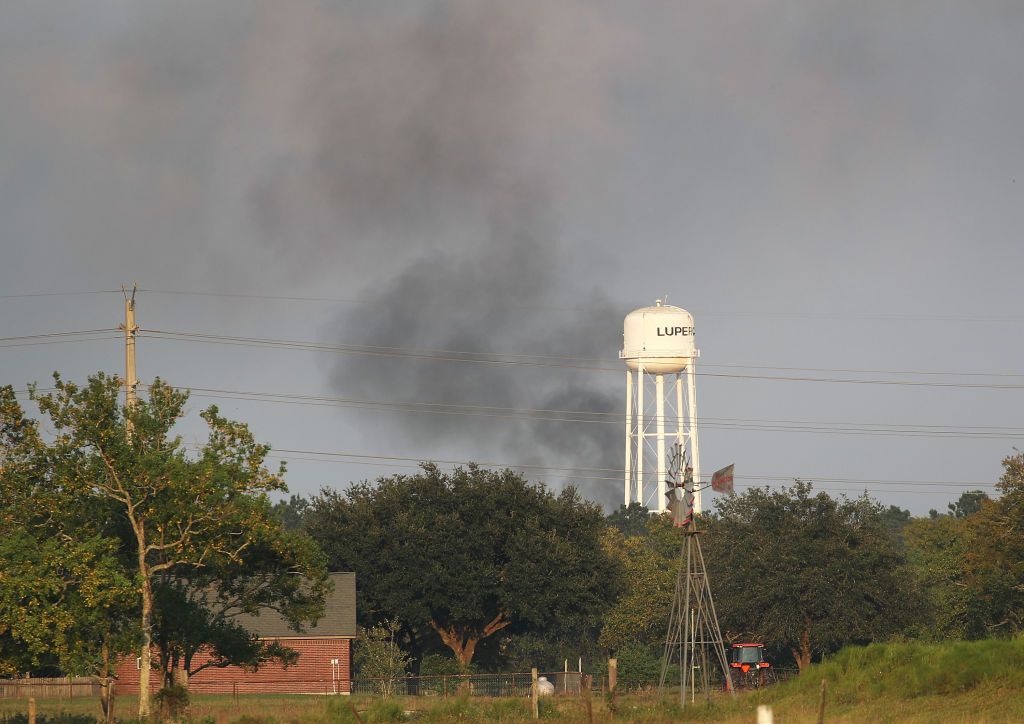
x,y
131,380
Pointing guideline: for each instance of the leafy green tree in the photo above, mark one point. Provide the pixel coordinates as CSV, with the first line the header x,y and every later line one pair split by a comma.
x,y
630,520
935,550
176,512
994,557
807,572
290,511
378,656
282,571
65,594
896,518
968,503
468,554
640,615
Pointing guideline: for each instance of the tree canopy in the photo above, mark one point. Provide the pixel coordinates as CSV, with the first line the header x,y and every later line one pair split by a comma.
x,y
468,554
993,556
115,487
807,572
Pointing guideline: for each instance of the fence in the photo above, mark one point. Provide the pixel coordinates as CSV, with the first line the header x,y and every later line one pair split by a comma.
x,y
514,685
59,688
487,685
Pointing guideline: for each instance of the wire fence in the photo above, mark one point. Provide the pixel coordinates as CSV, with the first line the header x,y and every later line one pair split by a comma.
x,y
495,685
516,684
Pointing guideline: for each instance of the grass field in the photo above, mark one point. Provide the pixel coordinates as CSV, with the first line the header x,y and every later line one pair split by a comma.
x,y
981,681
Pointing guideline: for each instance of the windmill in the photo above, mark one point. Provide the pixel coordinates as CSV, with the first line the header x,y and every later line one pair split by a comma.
x,y
694,639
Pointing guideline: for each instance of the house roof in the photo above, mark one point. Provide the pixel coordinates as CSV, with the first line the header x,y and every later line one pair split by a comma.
x,y
339,617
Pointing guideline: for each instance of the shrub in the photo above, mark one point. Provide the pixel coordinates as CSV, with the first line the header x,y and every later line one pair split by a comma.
x,y
172,701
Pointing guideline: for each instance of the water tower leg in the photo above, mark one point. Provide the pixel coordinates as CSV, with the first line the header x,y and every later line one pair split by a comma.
x,y
679,410
627,478
691,393
641,434
659,385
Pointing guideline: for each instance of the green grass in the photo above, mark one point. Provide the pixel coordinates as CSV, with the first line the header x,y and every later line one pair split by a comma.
x,y
979,681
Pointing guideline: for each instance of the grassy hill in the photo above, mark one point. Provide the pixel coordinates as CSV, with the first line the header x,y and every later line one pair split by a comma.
x,y
964,681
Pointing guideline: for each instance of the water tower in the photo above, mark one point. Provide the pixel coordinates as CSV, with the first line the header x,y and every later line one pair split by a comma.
x,y
658,341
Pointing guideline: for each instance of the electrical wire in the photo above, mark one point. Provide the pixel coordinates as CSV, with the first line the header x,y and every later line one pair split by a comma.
x,y
59,294
609,418
57,334
33,340
575,308
440,355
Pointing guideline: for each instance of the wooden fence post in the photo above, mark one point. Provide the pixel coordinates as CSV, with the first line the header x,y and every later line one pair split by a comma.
x,y
821,703
586,687
613,674
534,693
32,710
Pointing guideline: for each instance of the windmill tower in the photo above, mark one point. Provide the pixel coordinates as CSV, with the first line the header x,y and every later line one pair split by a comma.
x,y
658,342
693,642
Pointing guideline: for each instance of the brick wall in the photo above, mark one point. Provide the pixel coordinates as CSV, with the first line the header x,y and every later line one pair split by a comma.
x,y
313,673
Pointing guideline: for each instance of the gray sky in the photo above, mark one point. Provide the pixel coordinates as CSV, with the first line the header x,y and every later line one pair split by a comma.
x,y
825,185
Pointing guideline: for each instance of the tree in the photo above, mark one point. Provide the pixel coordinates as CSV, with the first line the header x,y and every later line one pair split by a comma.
x,y
935,550
176,512
65,594
968,503
993,557
640,615
290,511
197,610
896,518
378,656
807,572
468,554
630,520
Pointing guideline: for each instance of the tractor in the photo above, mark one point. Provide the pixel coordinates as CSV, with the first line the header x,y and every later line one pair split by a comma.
x,y
748,664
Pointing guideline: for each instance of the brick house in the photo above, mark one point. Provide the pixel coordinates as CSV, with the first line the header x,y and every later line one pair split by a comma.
x,y
325,654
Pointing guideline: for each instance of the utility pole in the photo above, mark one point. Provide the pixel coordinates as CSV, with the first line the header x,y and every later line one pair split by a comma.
x,y
131,380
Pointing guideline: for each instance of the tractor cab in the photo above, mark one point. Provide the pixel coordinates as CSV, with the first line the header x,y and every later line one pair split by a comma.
x,y
747,657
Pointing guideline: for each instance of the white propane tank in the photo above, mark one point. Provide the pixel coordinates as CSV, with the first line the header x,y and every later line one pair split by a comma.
x,y
545,687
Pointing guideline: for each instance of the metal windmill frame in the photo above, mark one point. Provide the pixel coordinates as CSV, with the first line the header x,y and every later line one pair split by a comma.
x,y
693,622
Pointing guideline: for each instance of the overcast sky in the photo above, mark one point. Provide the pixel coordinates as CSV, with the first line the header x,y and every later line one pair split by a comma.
x,y
831,187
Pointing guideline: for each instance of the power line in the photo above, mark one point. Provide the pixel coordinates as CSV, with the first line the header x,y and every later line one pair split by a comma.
x,y
32,340
570,470
616,418
618,479
48,335
57,341
59,294
526,360
575,308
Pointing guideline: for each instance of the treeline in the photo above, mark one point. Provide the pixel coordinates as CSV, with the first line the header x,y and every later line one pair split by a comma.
x,y
498,573
119,540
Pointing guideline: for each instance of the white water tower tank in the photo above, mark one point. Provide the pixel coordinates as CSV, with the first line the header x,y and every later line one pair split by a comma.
x,y
659,337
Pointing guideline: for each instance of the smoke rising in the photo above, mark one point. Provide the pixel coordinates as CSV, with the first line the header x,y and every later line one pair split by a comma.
x,y
431,158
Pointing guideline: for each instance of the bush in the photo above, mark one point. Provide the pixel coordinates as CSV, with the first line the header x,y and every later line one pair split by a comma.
x,y
440,665
378,656
638,665
172,701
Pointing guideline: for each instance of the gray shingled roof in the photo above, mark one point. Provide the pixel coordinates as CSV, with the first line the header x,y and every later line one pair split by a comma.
x,y
339,617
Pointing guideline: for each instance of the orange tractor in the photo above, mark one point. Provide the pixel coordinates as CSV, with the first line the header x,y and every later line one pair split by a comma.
x,y
747,660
